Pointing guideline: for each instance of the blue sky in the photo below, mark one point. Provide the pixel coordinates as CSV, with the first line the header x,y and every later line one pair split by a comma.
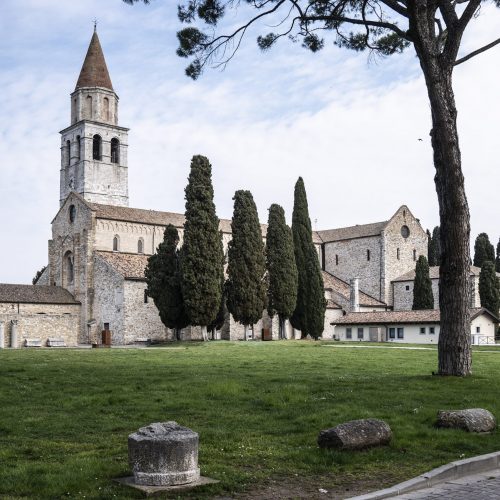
x,y
349,125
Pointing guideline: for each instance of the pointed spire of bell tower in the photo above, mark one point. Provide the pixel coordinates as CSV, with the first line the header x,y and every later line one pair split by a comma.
x,y
94,72
94,146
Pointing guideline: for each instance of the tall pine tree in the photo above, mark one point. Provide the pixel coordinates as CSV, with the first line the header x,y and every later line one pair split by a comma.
x,y
489,287
435,248
423,297
483,250
164,282
281,268
245,285
309,314
497,261
202,253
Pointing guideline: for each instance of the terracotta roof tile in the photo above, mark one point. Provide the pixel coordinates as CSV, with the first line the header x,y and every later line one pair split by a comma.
x,y
129,265
344,289
35,294
349,233
434,273
398,317
94,72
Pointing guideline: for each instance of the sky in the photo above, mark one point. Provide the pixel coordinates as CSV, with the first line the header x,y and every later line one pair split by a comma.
x,y
350,125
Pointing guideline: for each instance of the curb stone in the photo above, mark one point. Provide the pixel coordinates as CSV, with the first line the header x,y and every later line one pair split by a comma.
x,y
453,470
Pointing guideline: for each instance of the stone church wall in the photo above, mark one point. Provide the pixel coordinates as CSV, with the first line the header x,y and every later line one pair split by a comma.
x,y
41,321
109,301
400,254
353,262
141,319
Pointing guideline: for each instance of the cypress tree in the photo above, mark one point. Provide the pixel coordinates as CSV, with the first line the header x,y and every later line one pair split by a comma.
x,y
245,286
429,245
489,287
497,261
281,268
483,250
164,282
202,253
423,297
435,248
309,314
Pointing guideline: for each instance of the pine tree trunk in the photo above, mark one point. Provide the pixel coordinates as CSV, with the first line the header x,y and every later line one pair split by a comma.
x,y
454,350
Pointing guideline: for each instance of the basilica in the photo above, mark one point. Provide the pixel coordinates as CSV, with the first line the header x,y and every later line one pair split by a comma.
x,y
94,280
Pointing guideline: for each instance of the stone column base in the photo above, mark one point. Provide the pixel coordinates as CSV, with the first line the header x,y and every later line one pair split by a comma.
x,y
166,479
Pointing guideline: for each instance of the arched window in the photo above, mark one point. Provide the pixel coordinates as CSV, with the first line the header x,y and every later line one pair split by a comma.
x,y
68,268
397,253
68,152
97,147
106,108
116,243
140,246
72,213
88,107
115,150
78,146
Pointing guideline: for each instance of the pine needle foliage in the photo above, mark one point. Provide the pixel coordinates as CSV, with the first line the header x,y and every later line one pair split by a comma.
x,y
423,297
309,314
483,250
489,287
246,286
164,281
281,267
202,253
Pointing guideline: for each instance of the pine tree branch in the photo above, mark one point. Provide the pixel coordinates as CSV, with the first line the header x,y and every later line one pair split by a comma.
x,y
476,52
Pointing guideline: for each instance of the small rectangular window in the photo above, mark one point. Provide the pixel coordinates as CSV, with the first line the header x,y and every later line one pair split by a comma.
x,y
422,330
414,254
368,255
401,333
431,330
392,333
106,326
360,333
145,296
348,333
397,253
407,287
336,260
478,329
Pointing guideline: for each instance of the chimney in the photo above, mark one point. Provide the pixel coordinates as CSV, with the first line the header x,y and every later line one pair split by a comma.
x,y
354,295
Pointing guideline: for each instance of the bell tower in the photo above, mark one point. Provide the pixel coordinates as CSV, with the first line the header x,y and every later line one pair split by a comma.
x,y
94,147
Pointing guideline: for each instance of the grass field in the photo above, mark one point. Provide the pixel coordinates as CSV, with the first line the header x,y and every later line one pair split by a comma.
x,y
65,414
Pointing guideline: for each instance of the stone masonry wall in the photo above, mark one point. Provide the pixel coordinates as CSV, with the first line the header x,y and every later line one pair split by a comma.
x,y
403,297
399,254
109,302
141,320
54,322
74,240
353,262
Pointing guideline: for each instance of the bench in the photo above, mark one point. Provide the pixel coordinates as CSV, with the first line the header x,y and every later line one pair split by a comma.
x,y
53,342
32,342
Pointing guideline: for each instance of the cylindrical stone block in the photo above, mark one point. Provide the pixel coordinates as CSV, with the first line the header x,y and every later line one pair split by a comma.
x,y
2,335
164,454
13,334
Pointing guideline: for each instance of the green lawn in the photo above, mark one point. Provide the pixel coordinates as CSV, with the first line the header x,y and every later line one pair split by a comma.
x,y
258,406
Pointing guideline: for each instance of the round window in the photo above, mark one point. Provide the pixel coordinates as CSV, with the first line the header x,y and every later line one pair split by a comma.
x,y
405,231
72,213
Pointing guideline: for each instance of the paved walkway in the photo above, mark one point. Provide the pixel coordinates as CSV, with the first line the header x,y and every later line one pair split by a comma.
x,y
485,486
